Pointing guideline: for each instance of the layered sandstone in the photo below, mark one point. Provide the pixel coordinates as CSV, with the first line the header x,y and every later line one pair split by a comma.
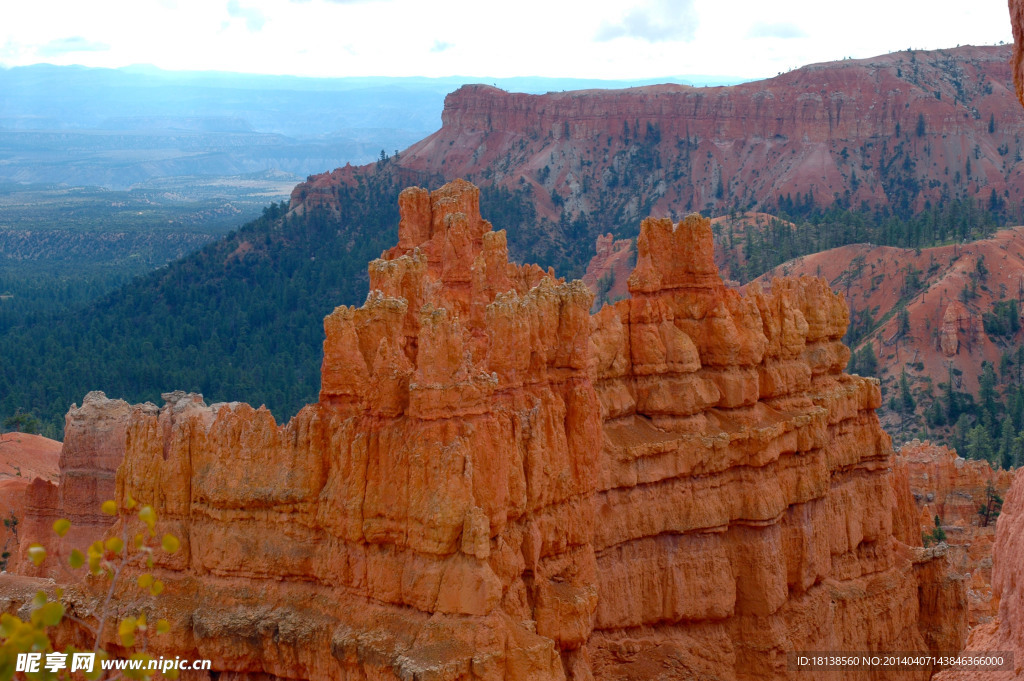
x,y
94,446
495,484
953,489
1006,632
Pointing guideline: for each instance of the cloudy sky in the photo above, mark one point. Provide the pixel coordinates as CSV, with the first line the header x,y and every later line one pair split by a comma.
x,y
561,38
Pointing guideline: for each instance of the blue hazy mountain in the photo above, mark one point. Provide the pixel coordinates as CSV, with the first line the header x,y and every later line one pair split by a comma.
x,y
119,127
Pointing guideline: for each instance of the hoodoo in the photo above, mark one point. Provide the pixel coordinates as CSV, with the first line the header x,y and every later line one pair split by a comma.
x,y
495,484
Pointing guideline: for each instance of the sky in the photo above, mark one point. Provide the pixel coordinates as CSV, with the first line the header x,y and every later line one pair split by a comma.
x,y
558,38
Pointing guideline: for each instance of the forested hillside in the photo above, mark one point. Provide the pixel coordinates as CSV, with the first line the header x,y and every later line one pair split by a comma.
x,y
239,319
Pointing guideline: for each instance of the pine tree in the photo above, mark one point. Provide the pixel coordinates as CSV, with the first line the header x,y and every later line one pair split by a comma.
x,y
979,444
960,435
987,395
1007,445
907,403
992,505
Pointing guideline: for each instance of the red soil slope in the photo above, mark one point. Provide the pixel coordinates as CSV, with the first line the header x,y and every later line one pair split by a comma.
x,y
945,323
22,458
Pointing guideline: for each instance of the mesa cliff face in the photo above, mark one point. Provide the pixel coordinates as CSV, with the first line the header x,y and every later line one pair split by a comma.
x,y
897,129
495,484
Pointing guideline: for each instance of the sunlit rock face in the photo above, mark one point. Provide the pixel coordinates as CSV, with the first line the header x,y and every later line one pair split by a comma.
x,y
94,443
496,484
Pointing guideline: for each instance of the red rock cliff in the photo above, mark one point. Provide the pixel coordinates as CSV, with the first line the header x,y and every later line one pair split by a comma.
x,y
497,485
915,126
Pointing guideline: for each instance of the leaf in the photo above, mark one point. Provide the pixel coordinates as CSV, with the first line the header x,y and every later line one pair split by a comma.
x,y
109,507
51,614
61,526
48,615
129,502
76,559
148,516
9,624
37,554
162,626
171,543
126,631
157,588
114,545
145,580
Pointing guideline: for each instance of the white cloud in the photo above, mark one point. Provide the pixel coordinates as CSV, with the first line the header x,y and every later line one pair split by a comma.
x,y
658,21
763,29
253,18
76,43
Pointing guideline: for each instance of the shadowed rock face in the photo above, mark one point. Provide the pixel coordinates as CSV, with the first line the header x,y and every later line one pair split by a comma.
x,y
495,484
1006,632
947,486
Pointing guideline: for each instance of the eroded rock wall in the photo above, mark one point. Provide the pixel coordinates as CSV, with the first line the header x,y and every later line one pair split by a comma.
x,y
23,458
1006,632
745,502
496,485
946,486
94,446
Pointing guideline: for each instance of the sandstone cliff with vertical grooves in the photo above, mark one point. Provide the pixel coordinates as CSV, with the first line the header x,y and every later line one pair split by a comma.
x,y
93,448
495,484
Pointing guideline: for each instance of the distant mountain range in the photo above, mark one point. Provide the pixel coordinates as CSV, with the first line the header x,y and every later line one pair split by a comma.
x,y
118,127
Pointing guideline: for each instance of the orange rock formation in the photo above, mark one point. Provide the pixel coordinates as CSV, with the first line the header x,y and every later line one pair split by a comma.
x,y
94,442
496,485
23,457
952,488
1006,632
